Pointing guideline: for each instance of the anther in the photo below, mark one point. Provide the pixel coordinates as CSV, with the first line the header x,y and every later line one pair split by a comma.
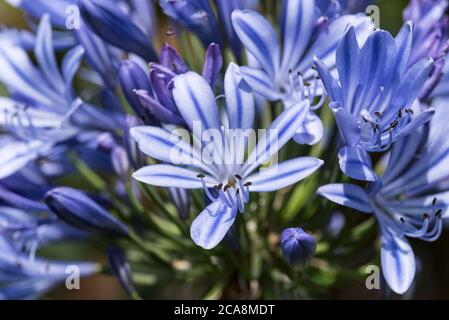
x,y
238,176
402,219
438,213
200,175
247,184
425,216
226,187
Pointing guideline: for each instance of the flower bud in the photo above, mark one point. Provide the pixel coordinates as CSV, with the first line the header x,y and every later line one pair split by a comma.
x,y
298,247
77,209
121,269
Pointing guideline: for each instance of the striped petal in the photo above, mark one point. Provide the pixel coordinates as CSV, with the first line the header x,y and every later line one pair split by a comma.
x,y
239,100
283,174
259,38
164,175
260,82
348,195
211,225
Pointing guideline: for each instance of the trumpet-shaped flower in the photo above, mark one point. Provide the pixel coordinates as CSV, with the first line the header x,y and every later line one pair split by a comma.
x,y
226,177
409,200
372,99
279,74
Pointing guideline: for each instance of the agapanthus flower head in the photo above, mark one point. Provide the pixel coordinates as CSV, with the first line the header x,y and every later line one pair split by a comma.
x,y
373,98
227,179
298,247
409,200
277,74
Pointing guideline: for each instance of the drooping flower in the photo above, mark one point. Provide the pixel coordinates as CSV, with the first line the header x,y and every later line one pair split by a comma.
x,y
372,100
227,180
298,247
409,200
278,74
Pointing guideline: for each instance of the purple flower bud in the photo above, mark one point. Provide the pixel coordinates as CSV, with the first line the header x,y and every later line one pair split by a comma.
x,y
121,269
132,77
298,247
170,58
212,63
114,26
77,209
120,161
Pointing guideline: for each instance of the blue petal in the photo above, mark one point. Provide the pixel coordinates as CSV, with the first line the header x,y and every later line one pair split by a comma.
x,y
298,22
411,84
283,174
348,53
196,101
45,55
181,200
348,126
164,175
211,225
404,41
281,130
356,163
239,100
260,82
259,38
166,146
71,63
348,195
331,85
311,131
398,262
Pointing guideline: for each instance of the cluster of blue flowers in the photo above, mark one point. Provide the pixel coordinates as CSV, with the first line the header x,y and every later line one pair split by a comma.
x,y
95,119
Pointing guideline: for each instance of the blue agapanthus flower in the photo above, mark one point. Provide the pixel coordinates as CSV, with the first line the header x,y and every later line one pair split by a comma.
x,y
409,200
279,72
372,100
227,180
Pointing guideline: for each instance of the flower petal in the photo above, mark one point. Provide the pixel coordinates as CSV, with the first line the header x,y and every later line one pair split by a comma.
x,y
398,262
196,102
259,38
239,100
212,63
311,131
260,82
276,136
298,22
356,163
211,225
165,175
348,195
283,174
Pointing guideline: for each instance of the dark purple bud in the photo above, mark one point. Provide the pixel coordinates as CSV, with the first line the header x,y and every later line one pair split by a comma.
x,y
114,26
171,59
212,63
132,77
298,247
181,200
78,210
121,269
159,111
120,161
